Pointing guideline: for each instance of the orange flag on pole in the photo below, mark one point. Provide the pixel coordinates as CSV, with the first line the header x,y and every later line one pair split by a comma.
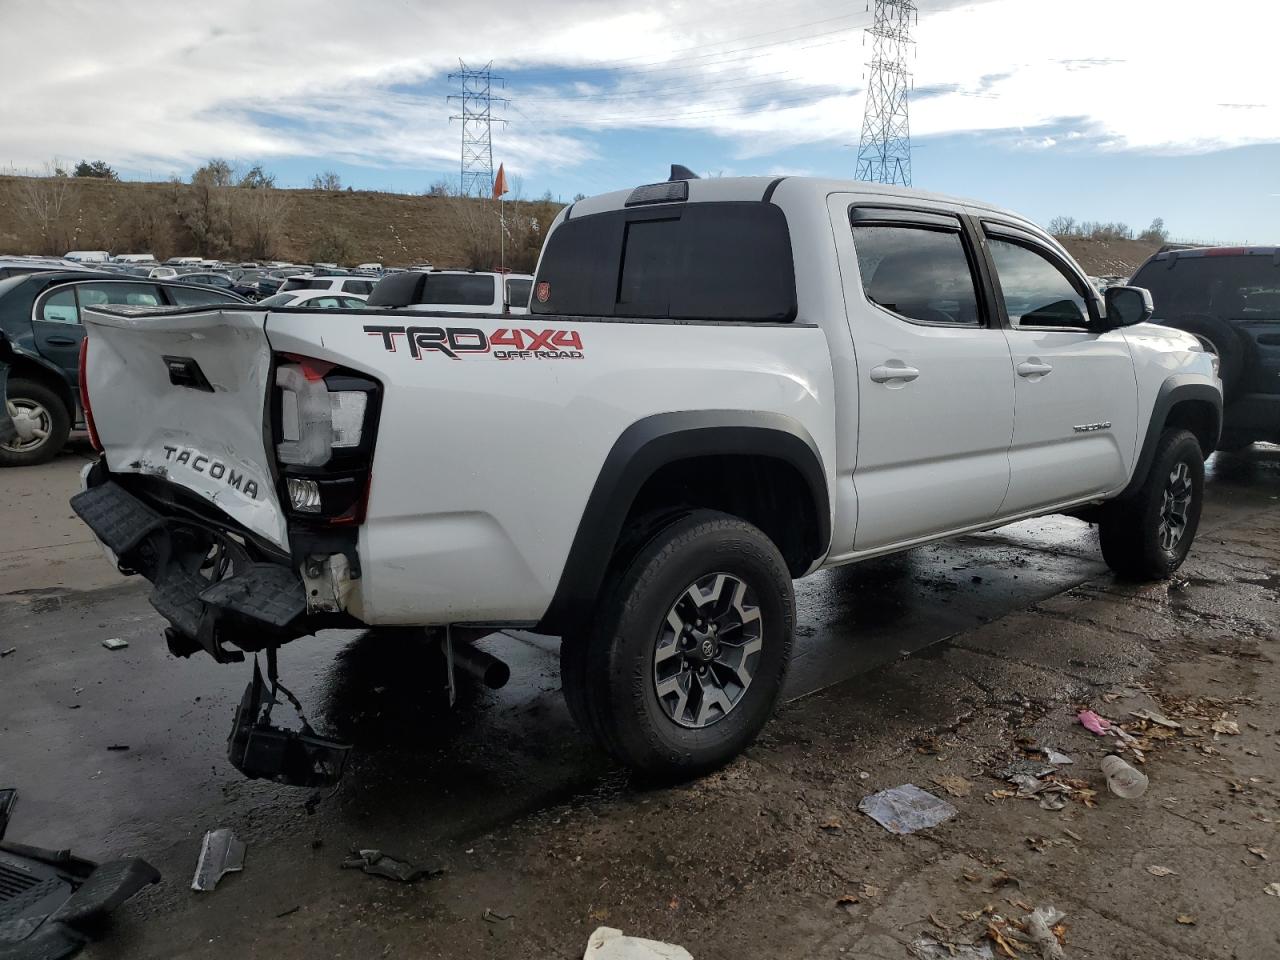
x,y
500,182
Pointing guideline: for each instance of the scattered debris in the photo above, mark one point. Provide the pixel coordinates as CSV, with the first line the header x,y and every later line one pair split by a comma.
x,y
957,786
5,653
1157,718
1178,584
118,746
831,825
378,864
1186,921
495,916
1073,835
115,643
923,949
1122,780
288,913
1094,723
606,943
1042,925
1272,889
1229,727
906,809
1259,852
1161,871
1056,758
220,853
1027,768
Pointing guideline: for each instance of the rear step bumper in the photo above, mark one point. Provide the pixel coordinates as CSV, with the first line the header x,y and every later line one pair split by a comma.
x,y
259,605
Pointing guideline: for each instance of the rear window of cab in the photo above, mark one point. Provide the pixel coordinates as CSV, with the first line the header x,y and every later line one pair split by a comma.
x,y
728,261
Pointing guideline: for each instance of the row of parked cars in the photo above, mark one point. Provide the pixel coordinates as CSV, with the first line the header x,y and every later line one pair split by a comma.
x,y
41,299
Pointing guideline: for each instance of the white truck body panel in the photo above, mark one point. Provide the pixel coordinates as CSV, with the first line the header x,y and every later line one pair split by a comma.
x,y
484,464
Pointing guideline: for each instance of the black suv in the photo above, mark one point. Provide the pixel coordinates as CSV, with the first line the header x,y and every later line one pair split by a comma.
x,y
1229,297
40,317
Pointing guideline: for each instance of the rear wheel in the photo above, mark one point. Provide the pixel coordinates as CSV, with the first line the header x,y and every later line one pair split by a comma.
x,y
689,645
1147,536
41,421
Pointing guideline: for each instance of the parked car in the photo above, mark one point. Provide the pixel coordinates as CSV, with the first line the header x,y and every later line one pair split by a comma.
x,y
40,314
133,258
1229,297
87,256
15,266
340,283
316,300
220,280
721,386
447,291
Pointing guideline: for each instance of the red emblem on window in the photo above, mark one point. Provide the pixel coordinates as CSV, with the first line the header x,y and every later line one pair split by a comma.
x,y
543,292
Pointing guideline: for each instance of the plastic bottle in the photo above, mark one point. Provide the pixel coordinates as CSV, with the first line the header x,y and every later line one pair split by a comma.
x,y
1122,779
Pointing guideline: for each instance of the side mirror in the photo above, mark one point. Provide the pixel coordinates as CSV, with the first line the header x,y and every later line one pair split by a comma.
x,y
1127,306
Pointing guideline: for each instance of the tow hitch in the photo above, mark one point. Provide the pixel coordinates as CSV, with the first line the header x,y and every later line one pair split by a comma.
x,y
297,758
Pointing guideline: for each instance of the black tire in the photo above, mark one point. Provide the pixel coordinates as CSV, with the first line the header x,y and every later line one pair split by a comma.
x,y
1135,532
1224,340
32,394
609,668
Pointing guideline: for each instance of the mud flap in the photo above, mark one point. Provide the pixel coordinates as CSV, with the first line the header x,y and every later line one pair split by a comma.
x,y
298,758
53,903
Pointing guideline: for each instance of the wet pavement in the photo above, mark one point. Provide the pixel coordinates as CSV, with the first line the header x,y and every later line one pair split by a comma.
x,y
423,778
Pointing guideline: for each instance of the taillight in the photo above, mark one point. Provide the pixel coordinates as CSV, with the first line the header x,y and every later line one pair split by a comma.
x,y
84,396
324,421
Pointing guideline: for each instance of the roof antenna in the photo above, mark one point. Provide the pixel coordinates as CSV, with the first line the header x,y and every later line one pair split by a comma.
x,y
680,172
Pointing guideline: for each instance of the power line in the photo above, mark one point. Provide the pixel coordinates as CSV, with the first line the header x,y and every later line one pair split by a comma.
x,y
884,151
476,101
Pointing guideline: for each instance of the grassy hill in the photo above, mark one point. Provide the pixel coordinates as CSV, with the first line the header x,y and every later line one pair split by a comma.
x,y
53,215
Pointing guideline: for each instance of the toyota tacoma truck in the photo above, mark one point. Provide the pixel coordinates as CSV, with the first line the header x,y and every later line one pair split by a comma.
x,y
720,386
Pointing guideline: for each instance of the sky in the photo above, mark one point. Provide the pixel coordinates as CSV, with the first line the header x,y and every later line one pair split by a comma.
x,y
1114,110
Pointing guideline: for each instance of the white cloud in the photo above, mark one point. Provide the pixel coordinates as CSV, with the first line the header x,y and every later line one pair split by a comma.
x,y
151,84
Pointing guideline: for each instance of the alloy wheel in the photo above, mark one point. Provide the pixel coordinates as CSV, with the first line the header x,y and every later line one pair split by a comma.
x,y
1175,506
32,423
707,650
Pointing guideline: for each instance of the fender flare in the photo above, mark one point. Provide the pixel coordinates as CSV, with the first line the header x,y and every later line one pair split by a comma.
x,y
650,444
1174,390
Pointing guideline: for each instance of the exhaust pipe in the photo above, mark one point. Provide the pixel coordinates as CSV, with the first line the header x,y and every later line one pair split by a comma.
x,y
485,667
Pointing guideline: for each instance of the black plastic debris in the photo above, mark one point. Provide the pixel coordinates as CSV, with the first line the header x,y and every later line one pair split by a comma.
x,y
378,864
51,902
299,758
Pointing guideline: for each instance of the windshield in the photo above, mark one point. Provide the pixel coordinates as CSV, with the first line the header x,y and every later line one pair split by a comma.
x,y
1236,287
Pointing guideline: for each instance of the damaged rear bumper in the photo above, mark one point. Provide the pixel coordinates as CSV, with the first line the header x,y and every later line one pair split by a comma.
x,y
218,587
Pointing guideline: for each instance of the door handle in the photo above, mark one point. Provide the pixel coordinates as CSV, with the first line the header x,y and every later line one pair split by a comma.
x,y
61,341
1034,368
894,370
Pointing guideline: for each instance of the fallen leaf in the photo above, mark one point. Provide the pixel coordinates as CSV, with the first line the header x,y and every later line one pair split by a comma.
x,y
673,903
1186,921
996,936
1225,726
831,825
848,900
955,785
1258,852
598,915
870,891
1161,871
1272,889
1060,931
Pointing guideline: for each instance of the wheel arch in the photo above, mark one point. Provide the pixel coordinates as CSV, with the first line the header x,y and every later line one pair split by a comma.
x,y
686,451
1183,401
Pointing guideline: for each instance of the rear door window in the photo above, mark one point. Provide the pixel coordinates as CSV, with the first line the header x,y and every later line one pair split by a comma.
x,y
918,272
128,294
362,287
695,261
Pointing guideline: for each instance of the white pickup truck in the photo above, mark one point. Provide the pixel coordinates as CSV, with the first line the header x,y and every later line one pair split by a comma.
x,y
721,385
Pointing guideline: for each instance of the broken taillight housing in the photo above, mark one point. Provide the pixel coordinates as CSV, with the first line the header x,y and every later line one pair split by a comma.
x,y
324,422
84,395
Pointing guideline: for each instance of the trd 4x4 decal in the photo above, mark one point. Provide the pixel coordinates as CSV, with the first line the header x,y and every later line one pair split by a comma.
x,y
505,343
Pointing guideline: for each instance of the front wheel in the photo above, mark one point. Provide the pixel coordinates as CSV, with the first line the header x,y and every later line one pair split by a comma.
x,y
688,649
1147,536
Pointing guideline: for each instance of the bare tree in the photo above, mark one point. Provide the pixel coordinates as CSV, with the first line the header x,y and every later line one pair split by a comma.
x,y
329,180
215,173
261,214
48,203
